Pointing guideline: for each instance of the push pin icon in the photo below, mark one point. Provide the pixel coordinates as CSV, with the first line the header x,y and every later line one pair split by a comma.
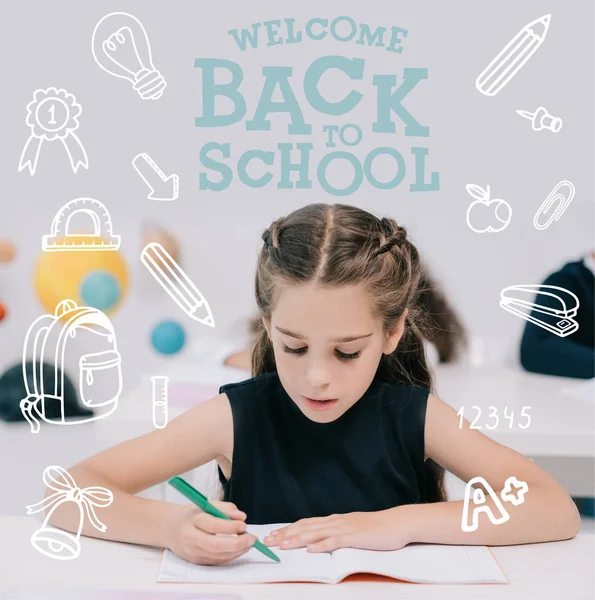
x,y
541,119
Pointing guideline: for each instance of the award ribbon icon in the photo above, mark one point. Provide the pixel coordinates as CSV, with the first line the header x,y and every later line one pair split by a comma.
x,y
53,115
57,543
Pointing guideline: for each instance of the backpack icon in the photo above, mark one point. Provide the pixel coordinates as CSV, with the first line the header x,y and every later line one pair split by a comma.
x,y
48,341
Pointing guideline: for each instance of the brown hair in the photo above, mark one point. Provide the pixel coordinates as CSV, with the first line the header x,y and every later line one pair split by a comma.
x,y
445,331
336,245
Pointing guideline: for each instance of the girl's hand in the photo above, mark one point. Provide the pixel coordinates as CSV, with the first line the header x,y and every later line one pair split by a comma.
x,y
192,534
380,530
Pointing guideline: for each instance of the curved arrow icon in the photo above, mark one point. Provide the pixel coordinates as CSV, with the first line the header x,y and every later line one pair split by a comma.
x,y
162,187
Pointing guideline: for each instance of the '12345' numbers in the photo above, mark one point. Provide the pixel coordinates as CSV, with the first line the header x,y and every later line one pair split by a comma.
x,y
495,419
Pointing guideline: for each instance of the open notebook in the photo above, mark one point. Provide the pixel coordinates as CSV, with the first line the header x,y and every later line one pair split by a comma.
x,y
423,563
49,592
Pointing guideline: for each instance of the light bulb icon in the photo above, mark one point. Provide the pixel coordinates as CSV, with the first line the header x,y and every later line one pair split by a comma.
x,y
120,46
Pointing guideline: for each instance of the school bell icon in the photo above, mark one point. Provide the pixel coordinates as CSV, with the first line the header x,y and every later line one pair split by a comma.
x,y
58,543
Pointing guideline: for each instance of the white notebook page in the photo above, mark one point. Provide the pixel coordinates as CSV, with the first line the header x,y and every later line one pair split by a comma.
x,y
423,563
253,567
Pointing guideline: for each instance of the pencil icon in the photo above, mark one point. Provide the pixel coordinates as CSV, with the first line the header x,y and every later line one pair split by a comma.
x,y
513,56
176,283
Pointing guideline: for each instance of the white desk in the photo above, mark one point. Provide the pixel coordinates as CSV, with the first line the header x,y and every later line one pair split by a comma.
x,y
557,570
561,425
561,437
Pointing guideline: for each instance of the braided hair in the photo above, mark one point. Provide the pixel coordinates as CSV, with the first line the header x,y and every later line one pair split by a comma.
x,y
339,245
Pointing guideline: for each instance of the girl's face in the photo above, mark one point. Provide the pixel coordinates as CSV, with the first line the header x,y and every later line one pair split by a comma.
x,y
327,344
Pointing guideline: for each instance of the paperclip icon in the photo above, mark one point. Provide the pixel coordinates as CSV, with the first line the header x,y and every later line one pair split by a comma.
x,y
559,198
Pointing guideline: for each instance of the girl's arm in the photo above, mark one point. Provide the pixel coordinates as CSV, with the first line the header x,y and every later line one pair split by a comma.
x,y
198,436
546,514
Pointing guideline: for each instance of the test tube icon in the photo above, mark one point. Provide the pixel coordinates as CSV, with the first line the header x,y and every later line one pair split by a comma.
x,y
159,400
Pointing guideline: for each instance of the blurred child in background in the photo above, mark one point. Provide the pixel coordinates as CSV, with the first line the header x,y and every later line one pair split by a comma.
x,y
572,356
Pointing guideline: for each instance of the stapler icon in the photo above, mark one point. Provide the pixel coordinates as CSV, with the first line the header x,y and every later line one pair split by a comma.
x,y
547,306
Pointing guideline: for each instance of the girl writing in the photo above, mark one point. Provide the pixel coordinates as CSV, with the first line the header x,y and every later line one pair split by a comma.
x,y
338,431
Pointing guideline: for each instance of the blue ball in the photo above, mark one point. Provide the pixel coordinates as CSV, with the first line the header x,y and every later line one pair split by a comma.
x,y
168,337
100,289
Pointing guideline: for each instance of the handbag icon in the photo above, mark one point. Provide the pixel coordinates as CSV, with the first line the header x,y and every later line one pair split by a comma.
x,y
49,340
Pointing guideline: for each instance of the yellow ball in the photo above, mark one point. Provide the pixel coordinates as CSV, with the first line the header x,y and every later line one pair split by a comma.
x,y
89,277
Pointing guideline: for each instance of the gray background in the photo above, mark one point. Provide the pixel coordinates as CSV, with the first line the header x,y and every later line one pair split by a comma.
x,y
473,139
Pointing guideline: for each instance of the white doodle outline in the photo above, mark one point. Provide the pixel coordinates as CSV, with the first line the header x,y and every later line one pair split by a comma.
x,y
479,498
508,495
56,240
170,276
518,51
539,117
67,313
160,401
563,203
523,308
173,181
40,133
482,196
147,80
66,490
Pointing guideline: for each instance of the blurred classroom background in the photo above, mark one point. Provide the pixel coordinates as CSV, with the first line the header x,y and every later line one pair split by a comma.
x,y
156,338
473,140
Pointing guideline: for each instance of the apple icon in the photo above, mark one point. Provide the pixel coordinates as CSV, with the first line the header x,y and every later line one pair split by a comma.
x,y
486,215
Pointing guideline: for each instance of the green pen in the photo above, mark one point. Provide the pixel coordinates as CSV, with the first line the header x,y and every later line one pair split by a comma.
x,y
201,501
